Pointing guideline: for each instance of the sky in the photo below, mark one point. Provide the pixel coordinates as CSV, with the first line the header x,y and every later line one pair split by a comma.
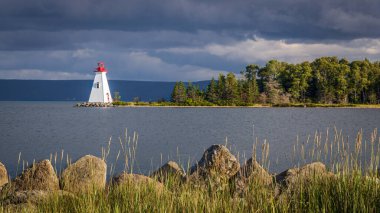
x,y
172,40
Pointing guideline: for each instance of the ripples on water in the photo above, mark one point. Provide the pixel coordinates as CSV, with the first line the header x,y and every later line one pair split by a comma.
x,y
38,129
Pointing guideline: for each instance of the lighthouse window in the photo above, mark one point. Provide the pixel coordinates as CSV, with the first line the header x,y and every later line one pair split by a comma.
x,y
97,85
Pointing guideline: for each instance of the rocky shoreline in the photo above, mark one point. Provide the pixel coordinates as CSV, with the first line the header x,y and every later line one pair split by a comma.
x,y
216,169
146,104
95,104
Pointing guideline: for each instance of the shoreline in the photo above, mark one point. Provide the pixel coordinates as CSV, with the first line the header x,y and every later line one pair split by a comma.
x,y
359,106
342,107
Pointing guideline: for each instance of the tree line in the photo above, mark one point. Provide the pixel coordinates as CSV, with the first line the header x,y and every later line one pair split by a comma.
x,y
326,80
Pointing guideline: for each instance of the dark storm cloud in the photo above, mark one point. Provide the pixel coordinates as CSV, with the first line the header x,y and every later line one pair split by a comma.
x,y
280,18
72,39
178,39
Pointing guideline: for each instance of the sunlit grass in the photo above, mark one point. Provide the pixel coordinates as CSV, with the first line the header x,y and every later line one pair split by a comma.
x,y
208,104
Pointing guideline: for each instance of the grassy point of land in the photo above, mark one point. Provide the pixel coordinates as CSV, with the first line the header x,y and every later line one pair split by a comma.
x,y
307,105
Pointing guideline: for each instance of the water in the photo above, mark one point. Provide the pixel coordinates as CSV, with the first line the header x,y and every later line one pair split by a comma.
x,y
38,129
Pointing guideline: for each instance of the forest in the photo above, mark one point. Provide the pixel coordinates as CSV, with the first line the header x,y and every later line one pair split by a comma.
x,y
326,80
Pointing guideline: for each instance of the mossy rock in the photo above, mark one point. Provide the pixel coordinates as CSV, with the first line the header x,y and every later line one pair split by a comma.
x,y
216,167
39,176
3,175
170,171
85,175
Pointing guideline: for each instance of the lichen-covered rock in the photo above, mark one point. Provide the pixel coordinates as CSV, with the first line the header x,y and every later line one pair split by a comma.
x,y
86,174
3,175
136,180
216,166
251,173
305,173
32,196
291,180
27,200
39,176
169,171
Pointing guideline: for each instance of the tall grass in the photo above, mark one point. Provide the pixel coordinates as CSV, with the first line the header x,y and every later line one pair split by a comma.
x,y
355,187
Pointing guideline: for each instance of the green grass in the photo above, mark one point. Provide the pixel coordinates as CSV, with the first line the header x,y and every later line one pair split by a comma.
x,y
345,194
208,104
352,189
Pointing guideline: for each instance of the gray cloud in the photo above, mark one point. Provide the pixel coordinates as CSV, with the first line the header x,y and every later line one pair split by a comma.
x,y
276,18
178,39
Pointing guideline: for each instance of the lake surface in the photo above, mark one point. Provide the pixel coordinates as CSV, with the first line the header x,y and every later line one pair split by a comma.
x,y
38,129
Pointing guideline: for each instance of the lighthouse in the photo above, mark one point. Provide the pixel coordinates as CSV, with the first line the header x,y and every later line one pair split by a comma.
x,y
100,92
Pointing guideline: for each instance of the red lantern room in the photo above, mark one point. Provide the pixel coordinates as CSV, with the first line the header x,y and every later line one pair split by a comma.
x,y
100,67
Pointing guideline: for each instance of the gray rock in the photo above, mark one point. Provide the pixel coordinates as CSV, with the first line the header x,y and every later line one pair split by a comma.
x,y
3,175
289,181
216,167
305,173
137,180
251,173
20,201
98,104
169,171
86,174
32,196
39,176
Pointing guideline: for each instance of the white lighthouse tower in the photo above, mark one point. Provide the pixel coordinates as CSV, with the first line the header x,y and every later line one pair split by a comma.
x,y
100,92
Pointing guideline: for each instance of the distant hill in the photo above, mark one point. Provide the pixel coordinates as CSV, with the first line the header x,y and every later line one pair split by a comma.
x,y
79,90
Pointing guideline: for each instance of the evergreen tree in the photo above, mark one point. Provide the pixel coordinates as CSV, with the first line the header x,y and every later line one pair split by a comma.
x,y
212,91
191,92
179,93
325,80
249,88
231,89
194,94
221,88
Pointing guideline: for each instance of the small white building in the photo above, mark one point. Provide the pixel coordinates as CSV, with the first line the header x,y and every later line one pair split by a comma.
x,y
100,92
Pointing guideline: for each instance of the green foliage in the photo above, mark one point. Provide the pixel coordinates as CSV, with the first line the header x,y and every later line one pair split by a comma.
x,y
297,78
179,93
136,100
116,97
249,90
326,80
212,92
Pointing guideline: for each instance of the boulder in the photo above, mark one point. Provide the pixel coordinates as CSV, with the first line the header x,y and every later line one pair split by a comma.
x,y
20,201
304,174
3,175
127,179
251,173
32,196
39,176
216,166
169,171
86,174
